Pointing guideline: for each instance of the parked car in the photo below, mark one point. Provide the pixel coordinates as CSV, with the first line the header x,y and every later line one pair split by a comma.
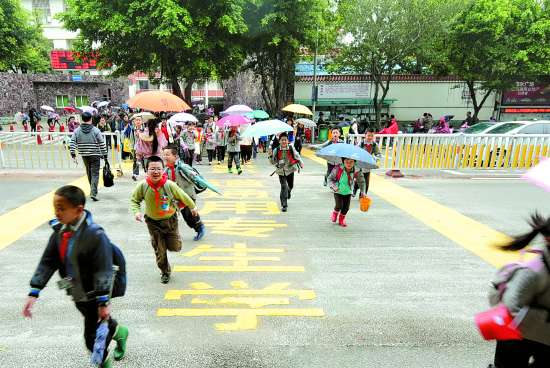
x,y
480,128
522,127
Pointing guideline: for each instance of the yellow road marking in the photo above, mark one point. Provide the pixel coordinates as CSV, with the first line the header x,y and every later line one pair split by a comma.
x,y
26,218
472,235
238,269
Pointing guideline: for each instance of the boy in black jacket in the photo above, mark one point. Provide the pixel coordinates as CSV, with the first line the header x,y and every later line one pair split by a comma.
x,y
83,255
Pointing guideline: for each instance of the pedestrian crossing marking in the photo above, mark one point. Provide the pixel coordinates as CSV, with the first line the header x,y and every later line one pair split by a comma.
x,y
237,226
241,207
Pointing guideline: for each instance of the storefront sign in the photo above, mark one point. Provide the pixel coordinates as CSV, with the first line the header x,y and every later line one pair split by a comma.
x,y
527,94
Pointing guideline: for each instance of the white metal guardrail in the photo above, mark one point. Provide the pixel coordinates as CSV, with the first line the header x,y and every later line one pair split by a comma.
x,y
48,150
459,151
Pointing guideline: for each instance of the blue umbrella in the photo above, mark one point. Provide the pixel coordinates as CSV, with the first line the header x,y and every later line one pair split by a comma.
x,y
335,152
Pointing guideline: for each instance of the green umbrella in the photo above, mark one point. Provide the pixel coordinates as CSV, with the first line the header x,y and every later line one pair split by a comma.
x,y
257,114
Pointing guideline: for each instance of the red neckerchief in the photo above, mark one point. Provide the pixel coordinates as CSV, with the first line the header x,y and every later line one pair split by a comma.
x,y
156,188
64,244
173,172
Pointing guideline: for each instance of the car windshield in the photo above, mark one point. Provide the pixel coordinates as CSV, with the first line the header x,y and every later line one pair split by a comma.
x,y
504,128
478,128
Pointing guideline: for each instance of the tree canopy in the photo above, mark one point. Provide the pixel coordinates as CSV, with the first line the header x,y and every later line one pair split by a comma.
x,y
22,46
492,44
183,40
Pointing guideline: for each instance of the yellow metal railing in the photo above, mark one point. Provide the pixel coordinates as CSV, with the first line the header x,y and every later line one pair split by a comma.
x,y
459,151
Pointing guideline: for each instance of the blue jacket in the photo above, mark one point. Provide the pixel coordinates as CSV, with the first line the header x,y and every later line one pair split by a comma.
x,y
88,261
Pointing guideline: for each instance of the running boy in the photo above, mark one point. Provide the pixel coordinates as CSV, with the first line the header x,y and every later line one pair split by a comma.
x,y
162,198
181,174
82,253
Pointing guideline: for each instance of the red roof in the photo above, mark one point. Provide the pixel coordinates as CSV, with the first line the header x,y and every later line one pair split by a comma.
x,y
368,78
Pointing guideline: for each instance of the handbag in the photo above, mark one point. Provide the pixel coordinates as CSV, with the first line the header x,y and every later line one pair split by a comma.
x,y
127,145
364,203
108,177
497,324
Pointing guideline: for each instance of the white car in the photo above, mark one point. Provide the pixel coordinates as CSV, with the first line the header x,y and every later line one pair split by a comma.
x,y
521,127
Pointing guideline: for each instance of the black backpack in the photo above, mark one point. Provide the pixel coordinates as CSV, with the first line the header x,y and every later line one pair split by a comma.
x,y
108,177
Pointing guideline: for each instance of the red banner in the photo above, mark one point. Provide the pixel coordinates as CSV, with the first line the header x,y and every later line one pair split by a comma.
x,y
527,94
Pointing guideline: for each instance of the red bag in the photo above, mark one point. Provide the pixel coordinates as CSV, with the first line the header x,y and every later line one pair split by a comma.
x,y
497,324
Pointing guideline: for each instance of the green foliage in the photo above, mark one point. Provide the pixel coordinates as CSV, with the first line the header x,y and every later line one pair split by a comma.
x,y
492,44
191,40
279,30
22,45
381,37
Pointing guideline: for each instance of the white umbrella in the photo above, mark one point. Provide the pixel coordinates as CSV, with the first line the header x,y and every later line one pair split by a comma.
x,y
267,127
237,110
47,108
308,123
89,109
103,104
182,117
145,116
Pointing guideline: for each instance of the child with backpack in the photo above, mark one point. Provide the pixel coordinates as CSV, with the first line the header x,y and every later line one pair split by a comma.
x,y
234,150
524,290
335,138
84,256
342,180
286,160
371,147
162,198
182,174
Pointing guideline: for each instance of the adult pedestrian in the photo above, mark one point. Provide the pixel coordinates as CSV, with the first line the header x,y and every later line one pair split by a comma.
x,y
33,115
300,134
528,290
72,124
138,147
392,127
151,141
442,127
246,149
287,161
342,179
90,144
104,128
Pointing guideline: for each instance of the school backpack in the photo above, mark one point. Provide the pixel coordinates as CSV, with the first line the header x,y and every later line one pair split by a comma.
x,y
199,187
279,154
350,181
505,274
120,280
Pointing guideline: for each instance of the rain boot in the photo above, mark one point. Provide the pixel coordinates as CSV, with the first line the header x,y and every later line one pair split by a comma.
x,y
108,363
120,336
230,170
342,220
334,216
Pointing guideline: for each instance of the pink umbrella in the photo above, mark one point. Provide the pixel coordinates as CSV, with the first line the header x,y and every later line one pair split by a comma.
x,y
233,121
540,174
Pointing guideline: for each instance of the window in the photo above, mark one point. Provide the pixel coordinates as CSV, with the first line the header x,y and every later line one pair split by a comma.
x,y
80,101
534,129
61,101
41,10
143,85
504,128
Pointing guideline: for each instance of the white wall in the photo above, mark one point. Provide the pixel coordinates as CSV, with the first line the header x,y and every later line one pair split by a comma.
x,y
413,98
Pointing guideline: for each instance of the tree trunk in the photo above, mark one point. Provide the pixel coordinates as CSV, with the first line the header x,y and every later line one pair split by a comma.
x,y
188,90
477,106
176,89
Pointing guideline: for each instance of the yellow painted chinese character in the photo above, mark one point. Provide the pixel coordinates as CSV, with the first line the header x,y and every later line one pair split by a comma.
x,y
252,194
241,207
253,300
240,257
243,227
243,183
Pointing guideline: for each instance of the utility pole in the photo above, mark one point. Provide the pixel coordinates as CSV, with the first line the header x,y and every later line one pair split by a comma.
x,y
314,91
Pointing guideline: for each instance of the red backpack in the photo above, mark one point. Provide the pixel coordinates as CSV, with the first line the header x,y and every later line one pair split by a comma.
x,y
350,180
289,154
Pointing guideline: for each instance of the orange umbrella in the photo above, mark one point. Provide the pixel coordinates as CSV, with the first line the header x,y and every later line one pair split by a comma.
x,y
158,101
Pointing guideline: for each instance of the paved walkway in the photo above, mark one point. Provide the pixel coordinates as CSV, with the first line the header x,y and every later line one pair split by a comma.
x,y
271,289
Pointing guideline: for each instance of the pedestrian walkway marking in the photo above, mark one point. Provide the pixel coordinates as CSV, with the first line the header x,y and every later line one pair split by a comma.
x,y
240,295
238,226
252,194
223,169
26,218
472,235
241,207
243,183
239,256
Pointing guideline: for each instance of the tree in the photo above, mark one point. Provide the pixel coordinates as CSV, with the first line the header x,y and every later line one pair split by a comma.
x,y
380,37
278,30
173,39
22,46
492,44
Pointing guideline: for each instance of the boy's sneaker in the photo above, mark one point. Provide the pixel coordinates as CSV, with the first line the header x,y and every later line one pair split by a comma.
x,y
120,336
165,278
230,171
239,171
201,233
